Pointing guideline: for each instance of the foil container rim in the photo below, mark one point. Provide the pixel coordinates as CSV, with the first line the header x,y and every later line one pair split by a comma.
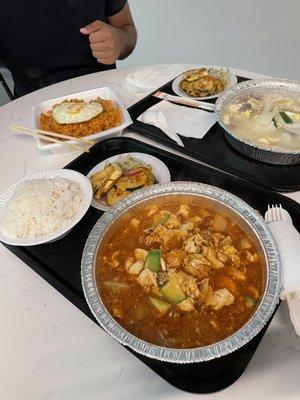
x,y
192,355
231,92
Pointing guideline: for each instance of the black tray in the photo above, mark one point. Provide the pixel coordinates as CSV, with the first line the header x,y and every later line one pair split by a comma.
x,y
214,150
59,262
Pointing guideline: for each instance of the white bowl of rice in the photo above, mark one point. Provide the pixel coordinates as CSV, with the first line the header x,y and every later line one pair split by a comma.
x,y
43,207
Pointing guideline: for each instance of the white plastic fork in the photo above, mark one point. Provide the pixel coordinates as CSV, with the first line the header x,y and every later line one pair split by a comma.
x,y
288,243
277,213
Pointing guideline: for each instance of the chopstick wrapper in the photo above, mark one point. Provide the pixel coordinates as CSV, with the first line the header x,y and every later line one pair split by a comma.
x,y
185,121
288,242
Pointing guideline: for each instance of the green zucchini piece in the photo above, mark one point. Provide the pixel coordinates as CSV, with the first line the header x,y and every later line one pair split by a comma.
x,y
249,301
161,305
151,180
172,291
153,260
133,180
164,219
286,118
116,287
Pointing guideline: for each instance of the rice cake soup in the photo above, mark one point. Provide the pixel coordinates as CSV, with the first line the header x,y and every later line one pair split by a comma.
x,y
177,272
267,120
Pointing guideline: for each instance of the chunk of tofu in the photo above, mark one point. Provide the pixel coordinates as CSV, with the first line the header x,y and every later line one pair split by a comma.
x,y
172,222
129,262
136,268
186,305
236,274
135,222
197,266
220,223
161,234
216,238
251,257
226,240
183,230
184,210
147,279
193,244
196,220
229,250
211,257
188,284
220,298
153,210
140,254
174,258
203,288
167,219
245,244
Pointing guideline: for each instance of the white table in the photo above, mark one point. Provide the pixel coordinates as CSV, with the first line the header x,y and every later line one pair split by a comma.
x,y
50,350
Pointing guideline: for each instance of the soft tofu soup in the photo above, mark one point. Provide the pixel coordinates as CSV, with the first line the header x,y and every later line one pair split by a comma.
x,y
179,275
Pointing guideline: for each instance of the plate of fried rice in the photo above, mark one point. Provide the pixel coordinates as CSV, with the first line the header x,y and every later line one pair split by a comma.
x,y
95,114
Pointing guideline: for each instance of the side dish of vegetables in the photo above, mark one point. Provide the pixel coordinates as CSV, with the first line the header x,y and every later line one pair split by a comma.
x,y
120,178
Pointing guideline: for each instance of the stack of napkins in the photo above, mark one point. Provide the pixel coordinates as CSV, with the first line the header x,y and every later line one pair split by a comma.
x,y
288,243
181,120
149,78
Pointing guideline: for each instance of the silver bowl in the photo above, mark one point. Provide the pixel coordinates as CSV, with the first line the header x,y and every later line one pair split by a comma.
x,y
266,154
229,205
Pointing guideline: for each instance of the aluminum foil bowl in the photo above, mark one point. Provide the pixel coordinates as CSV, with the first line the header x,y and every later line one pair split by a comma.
x,y
211,197
266,154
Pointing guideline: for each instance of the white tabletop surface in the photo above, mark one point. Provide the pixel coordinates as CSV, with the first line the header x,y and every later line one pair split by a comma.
x,y
51,350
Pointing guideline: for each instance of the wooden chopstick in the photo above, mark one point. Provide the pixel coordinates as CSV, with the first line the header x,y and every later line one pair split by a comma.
x,y
185,102
50,139
48,133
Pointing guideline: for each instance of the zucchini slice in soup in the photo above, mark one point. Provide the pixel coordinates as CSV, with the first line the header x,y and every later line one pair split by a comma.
x,y
172,291
153,260
161,305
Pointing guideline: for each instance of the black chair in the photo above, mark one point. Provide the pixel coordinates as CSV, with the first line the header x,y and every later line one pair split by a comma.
x,y
6,88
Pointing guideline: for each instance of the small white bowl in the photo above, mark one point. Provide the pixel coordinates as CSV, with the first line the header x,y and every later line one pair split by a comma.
x,y
160,170
105,93
74,176
232,80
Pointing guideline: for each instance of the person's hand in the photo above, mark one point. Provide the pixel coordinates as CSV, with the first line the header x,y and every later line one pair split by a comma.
x,y
106,42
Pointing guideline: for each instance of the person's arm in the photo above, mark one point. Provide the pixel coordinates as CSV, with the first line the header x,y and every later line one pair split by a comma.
x,y
115,40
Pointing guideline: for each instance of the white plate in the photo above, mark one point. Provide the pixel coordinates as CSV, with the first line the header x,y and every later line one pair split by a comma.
x,y
74,176
176,85
160,170
105,93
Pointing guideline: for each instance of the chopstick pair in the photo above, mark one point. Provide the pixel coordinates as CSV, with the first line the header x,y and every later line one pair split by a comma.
x,y
50,136
185,102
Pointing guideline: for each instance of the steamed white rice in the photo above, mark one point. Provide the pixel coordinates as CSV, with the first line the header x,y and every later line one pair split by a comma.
x,y
40,207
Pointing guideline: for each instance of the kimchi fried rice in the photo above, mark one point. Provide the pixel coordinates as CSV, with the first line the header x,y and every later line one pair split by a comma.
x,y
110,117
